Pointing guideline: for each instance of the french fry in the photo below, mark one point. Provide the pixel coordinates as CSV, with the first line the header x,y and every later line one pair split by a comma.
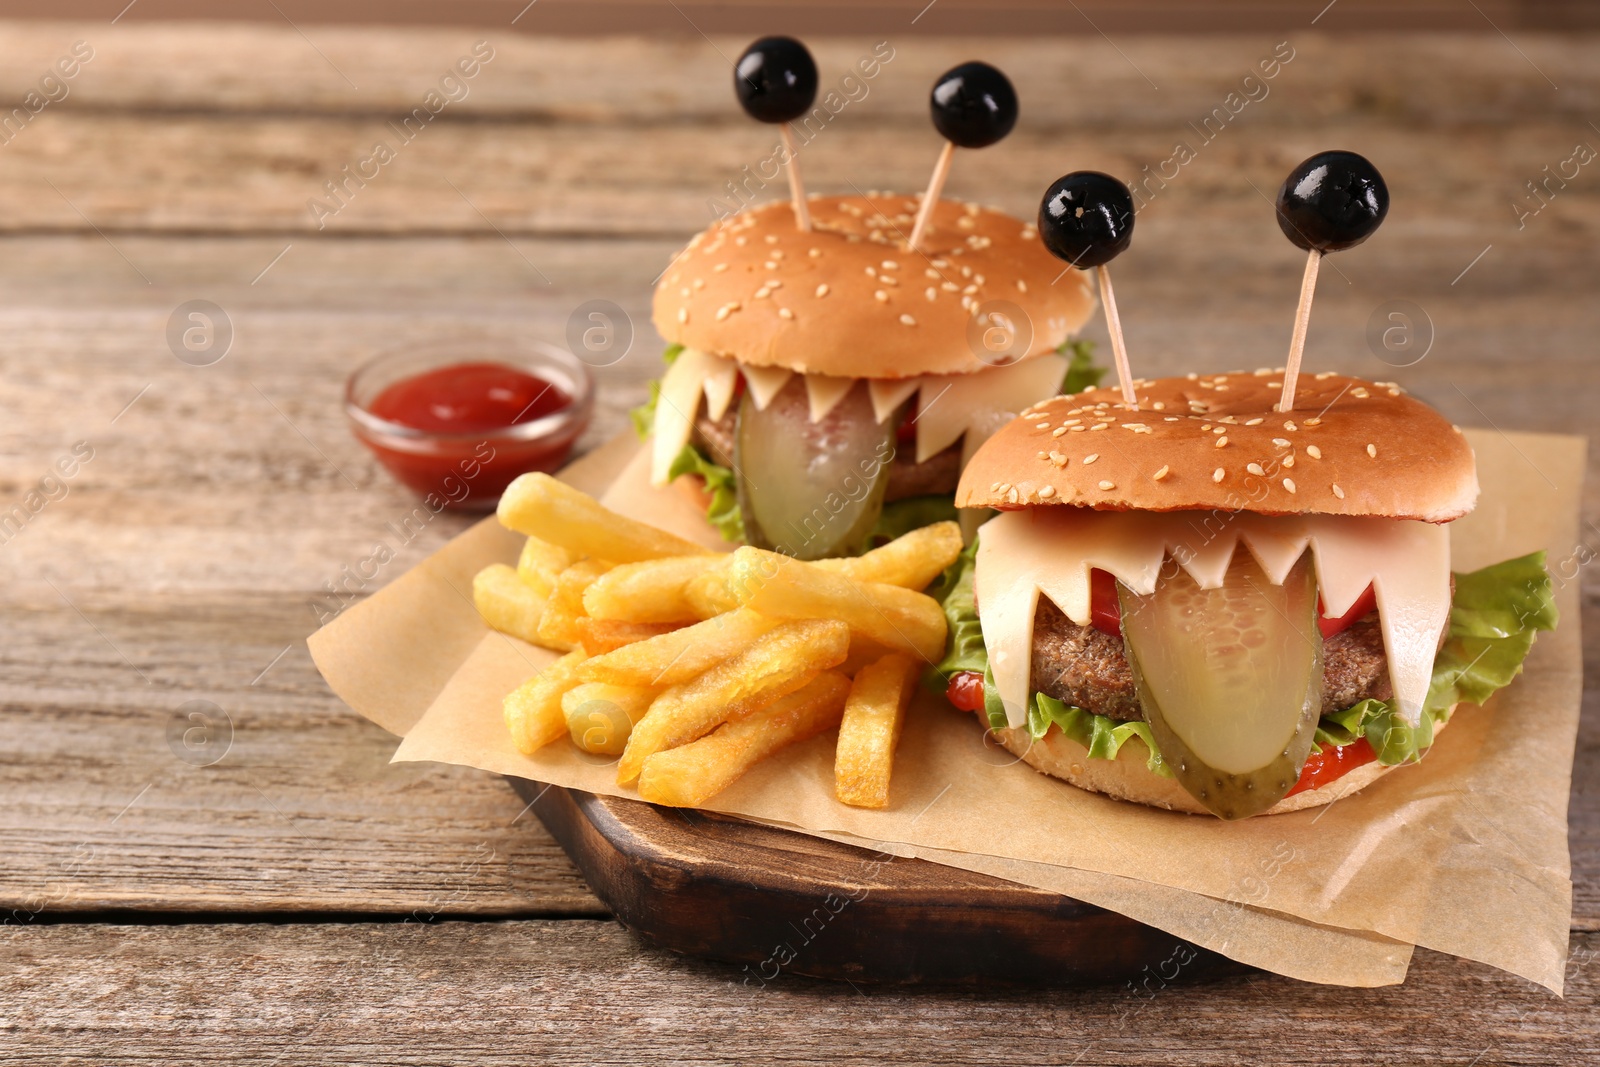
x,y
600,717
600,636
533,710
541,563
679,656
652,591
689,776
870,730
558,628
911,561
506,604
785,588
539,506
708,595
775,665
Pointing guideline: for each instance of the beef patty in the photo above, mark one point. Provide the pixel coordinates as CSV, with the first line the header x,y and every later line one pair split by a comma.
x,y
907,478
1087,668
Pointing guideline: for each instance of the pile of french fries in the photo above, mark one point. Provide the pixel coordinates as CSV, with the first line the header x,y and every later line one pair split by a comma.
x,y
691,666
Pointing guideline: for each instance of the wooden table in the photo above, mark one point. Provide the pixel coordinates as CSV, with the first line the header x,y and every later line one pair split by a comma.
x,y
299,898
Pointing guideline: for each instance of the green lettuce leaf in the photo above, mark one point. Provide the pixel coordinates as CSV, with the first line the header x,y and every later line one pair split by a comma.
x,y
1082,372
724,512
644,416
1494,616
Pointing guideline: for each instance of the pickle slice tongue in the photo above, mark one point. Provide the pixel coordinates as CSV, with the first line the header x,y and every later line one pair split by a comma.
x,y
812,489
1230,680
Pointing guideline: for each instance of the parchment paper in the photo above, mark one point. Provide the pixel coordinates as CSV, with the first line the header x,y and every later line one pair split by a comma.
x,y
1465,852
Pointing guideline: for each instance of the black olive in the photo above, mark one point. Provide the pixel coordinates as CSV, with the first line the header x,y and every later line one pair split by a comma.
x,y
973,105
776,79
1332,201
1086,218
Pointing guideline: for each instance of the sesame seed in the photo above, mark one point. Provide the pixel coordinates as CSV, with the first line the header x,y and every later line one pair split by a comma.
x,y
785,313
719,268
773,283
1281,442
1058,431
777,253
1046,492
1219,429
741,241
1217,475
683,314
1290,426
1162,473
1313,451
1372,450
872,272
769,265
880,296
699,283
890,264
950,287
908,320
1324,376
684,291
1058,459
888,280
1107,485
931,293
763,292
1256,469
1288,461
1222,441
1099,426
1313,422
1288,483
1360,392
815,253
1041,426
822,290
772,239
1022,286
1011,495
727,309
1076,429
1090,458
1041,455
1254,422
1338,492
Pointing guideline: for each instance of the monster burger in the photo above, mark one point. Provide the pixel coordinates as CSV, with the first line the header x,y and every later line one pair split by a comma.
x,y
826,387
1209,606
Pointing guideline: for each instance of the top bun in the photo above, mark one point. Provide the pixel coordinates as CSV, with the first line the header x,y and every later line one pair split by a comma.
x,y
850,299
1349,447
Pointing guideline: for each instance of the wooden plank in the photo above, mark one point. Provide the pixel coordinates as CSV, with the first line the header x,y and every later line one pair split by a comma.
x,y
278,799
952,17
579,992
192,67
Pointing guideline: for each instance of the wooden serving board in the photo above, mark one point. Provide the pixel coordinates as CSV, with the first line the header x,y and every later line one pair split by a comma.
x,y
780,902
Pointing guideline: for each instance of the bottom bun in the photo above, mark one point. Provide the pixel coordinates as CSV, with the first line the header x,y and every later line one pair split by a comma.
x,y
1129,778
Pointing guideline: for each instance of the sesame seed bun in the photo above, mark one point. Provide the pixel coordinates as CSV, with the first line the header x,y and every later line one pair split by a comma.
x,y
1349,447
1128,777
850,299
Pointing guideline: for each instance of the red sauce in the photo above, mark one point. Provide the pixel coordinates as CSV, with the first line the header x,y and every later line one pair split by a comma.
x,y
467,400
965,690
1331,764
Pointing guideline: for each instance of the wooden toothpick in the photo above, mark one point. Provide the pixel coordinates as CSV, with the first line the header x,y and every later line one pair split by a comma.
x,y
797,187
1297,343
1114,326
941,170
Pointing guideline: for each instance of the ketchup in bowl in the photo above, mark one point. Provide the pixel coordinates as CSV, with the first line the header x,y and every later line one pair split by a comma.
x,y
457,423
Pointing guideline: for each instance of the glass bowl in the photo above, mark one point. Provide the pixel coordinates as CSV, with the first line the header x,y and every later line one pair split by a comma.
x,y
469,471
